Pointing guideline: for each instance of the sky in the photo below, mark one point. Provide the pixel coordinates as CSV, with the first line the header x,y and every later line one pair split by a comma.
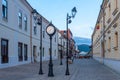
x,y
56,11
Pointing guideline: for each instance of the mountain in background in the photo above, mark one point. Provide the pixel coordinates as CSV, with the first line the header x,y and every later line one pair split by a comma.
x,y
83,44
84,48
80,40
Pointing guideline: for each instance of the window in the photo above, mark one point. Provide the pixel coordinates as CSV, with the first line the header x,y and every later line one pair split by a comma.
x,y
25,23
25,52
4,51
55,53
4,9
34,53
43,34
109,43
43,52
116,39
35,30
20,52
55,38
20,19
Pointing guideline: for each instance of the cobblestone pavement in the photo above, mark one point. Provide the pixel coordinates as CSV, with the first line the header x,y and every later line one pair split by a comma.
x,y
80,69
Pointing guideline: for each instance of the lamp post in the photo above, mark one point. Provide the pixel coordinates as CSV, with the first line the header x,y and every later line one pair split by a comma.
x,y
38,20
68,21
50,30
40,70
61,52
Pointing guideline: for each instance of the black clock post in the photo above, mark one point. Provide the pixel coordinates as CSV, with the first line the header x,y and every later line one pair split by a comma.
x,y
50,31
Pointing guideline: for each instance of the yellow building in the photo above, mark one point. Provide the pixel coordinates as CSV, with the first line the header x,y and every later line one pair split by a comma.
x,y
106,35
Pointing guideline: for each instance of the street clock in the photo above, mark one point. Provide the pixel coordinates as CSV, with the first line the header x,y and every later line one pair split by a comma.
x,y
50,29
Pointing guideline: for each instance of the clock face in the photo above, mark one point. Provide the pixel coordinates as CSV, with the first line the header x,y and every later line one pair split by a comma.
x,y
50,29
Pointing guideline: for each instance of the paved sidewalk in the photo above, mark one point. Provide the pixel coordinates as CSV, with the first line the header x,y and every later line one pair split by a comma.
x,y
81,69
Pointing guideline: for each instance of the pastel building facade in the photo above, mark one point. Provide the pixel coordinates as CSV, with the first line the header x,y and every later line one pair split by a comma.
x,y
106,35
61,44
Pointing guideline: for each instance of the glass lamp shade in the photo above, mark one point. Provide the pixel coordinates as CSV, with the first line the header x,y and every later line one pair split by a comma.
x,y
74,11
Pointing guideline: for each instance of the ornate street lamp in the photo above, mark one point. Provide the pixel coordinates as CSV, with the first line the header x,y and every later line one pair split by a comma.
x,y
68,21
50,30
38,20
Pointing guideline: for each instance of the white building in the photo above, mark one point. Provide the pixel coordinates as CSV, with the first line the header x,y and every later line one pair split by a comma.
x,y
20,37
61,45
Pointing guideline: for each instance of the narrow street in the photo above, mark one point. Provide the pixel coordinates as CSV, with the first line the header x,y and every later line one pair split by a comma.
x,y
33,33
80,69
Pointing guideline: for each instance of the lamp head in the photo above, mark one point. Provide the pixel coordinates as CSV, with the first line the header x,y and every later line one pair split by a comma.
x,y
74,11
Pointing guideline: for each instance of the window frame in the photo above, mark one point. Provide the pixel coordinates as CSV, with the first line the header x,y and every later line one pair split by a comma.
x,y
43,34
109,44
116,39
20,19
25,23
25,52
35,30
20,51
4,57
5,10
